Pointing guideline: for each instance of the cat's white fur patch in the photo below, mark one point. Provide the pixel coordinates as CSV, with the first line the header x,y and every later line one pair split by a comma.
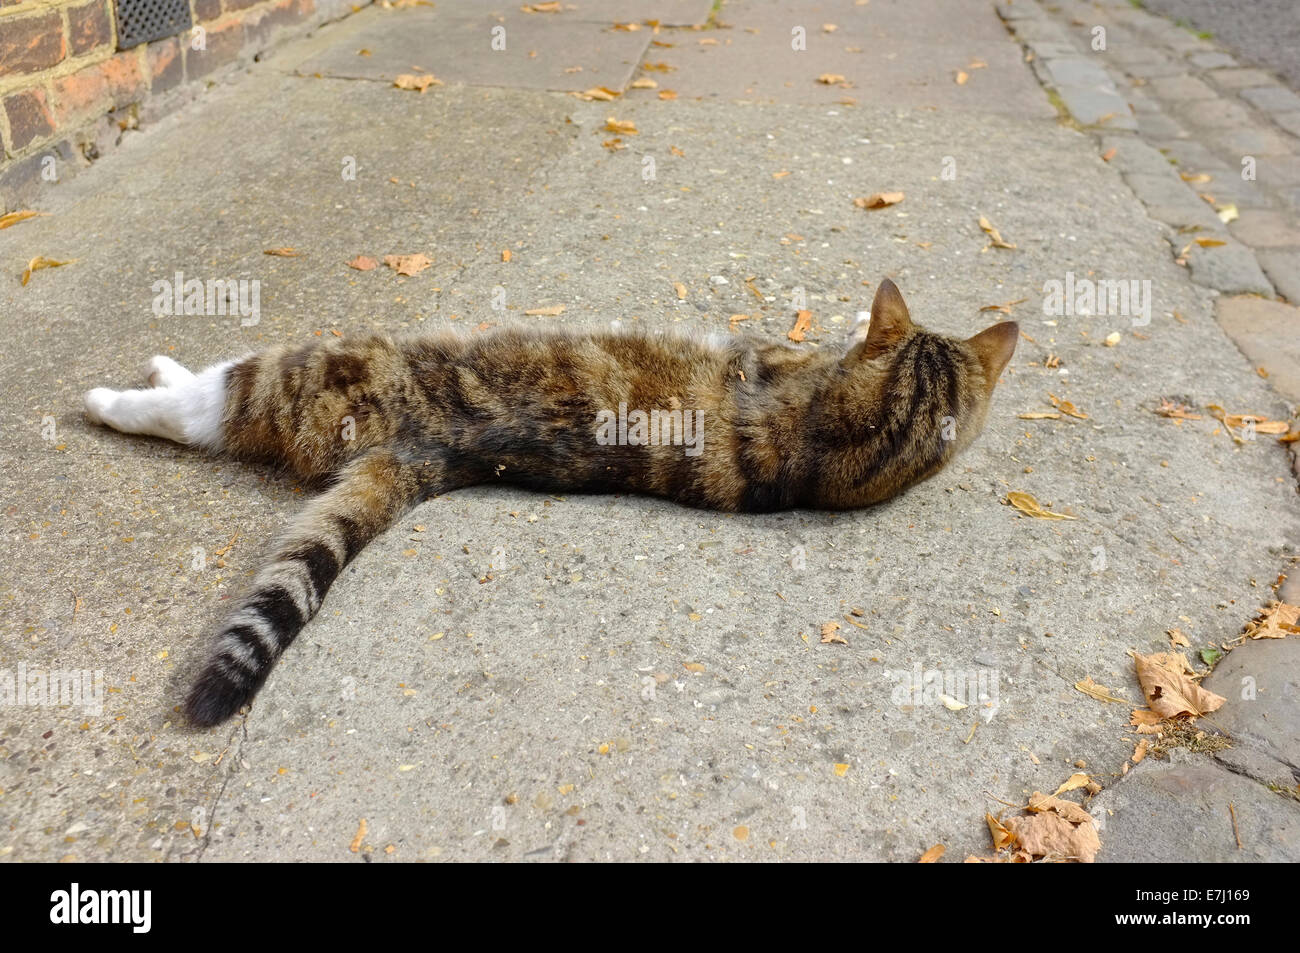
x,y
187,408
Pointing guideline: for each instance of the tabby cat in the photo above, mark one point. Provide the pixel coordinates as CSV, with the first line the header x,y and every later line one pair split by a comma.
x,y
733,424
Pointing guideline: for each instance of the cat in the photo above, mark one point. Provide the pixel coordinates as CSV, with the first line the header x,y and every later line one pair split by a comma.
x,y
385,424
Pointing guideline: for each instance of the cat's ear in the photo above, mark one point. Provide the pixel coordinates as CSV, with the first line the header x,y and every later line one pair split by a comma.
x,y
994,347
890,322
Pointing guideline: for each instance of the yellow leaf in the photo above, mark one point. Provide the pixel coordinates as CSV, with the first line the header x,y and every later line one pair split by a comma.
x,y
841,770
1031,507
1099,692
36,264
416,83
645,82
1076,780
13,218
995,237
961,77
1210,242
830,633
550,312
624,127
1228,213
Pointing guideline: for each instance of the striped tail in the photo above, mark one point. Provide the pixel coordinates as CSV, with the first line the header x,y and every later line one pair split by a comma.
x,y
373,491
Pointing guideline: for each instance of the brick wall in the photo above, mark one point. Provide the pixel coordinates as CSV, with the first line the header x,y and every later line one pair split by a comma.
x,y
67,94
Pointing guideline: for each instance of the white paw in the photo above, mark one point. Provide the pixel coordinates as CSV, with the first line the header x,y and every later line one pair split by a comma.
x,y
162,371
98,403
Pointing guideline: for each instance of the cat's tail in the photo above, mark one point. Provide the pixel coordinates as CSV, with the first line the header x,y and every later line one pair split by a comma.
x,y
372,492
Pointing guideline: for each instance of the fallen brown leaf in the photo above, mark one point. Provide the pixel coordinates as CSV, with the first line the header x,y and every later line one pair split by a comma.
x,y
363,263
933,854
408,265
1169,691
416,83
879,200
1051,836
283,252
830,633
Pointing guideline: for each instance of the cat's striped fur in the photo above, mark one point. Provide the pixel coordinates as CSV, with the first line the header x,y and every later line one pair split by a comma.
x,y
388,423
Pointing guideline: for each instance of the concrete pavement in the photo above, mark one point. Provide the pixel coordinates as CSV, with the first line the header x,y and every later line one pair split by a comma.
x,y
598,678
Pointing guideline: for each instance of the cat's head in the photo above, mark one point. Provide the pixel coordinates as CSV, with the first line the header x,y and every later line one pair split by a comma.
x,y
920,398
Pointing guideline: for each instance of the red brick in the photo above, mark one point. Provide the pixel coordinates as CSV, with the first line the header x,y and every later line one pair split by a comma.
x,y
223,47
29,117
89,27
166,66
206,10
34,43
99,88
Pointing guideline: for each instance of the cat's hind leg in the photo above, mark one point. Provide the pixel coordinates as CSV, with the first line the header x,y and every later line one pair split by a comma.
x,y
188,408
162,371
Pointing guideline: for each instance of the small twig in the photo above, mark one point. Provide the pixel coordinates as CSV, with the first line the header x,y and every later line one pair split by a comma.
x,y
1236,833
1007,803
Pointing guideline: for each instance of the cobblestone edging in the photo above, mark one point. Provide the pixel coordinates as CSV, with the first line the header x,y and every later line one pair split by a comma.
x,y
1193,133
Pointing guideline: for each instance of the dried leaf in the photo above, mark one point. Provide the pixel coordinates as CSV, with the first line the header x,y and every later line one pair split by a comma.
x,y
1031,507
1002,837
602,93
645,82
624,127
932,855
417,83
680,289
1227,213
830,634
550,6
1050,835
1074,781
1210,242
830,79
360,838
667,94
802,325
282,253
1169,408
879,200
363,263
1099,692
1039,802
1039,415
408,264
550,311
1140,751
13,218
961,77
1005,307
995,237
1065,407
1169,691
1177,639
39,262
1276,622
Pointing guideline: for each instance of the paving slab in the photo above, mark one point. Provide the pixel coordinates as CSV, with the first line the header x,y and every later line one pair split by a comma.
x,y
532,51
641,681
